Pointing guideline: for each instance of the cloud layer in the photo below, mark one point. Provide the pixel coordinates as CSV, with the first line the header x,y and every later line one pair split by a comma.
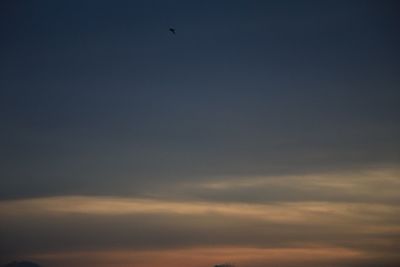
x,y
334,219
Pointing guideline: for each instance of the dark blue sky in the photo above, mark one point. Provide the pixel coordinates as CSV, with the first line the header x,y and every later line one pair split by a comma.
x,y
96,95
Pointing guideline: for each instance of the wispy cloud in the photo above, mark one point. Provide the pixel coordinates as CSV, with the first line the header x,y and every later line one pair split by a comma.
x,y
354,214
374,185
198,257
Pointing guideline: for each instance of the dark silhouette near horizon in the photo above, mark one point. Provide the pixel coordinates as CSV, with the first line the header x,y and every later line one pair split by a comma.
x,y
21,264
172,30
224,265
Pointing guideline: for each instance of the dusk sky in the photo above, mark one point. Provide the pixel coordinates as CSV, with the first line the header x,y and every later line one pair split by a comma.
x,y
262,133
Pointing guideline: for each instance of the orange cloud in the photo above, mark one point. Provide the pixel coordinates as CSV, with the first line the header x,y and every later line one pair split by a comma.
x,y
200,257
287,212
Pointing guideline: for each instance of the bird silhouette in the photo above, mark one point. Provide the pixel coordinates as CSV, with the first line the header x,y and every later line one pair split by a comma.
x,y
172,30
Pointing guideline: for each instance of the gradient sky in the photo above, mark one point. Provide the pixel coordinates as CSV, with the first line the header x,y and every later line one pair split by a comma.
x,y
264,133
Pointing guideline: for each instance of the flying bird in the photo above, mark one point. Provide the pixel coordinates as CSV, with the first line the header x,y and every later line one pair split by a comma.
x,y
172,30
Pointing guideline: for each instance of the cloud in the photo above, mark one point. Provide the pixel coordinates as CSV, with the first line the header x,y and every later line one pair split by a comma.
x,y
341,210
199,257
352,212
356,186
105,223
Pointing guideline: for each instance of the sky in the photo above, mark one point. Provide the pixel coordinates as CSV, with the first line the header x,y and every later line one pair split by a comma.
x,y
262,133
